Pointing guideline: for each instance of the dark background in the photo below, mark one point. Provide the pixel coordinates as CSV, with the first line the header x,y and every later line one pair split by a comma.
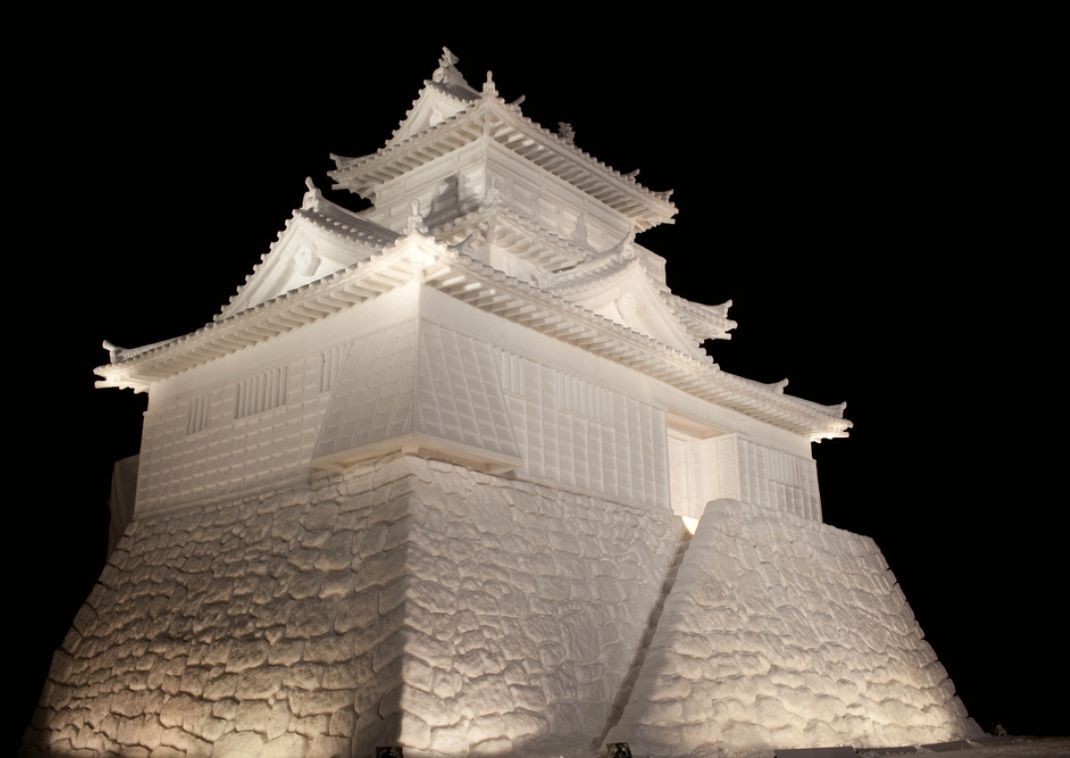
x,y
868,191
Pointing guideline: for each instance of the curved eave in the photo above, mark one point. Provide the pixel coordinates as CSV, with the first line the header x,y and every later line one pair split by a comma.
x,y
363,174
348,226
703,322
312,302
508,127
591,274
700,322
562,158
496,292
482,286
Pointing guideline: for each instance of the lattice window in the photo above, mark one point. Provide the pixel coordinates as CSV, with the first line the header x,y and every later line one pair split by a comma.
x,y
198,415
261,393
331,361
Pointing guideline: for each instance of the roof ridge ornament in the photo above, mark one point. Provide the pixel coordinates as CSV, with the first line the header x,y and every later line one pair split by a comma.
x,y
313,197
415,221
624,245
115,353
621,251
447,72
489,88
448,59
566,132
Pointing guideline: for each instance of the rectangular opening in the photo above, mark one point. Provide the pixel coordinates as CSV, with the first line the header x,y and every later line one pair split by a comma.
x,y
701,464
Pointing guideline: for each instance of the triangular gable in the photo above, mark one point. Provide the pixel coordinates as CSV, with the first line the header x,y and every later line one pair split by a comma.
x,y
319,239
446,94
432,106
624,291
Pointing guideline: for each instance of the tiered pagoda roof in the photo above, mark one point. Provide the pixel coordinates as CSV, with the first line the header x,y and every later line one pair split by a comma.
x,y
554,303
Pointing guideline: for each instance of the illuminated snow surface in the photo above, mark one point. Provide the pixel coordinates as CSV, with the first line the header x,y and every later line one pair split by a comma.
x,y
424,481
458,613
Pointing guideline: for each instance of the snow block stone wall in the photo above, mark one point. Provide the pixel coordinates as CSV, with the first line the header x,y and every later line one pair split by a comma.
x,y
405,602
781,632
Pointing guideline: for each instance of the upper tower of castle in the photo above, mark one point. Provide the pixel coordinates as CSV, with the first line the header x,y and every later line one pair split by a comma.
x,y
474,164
492,307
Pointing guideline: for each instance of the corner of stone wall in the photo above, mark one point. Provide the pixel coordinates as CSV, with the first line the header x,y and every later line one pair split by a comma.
x,y
782,632
272,624
525,608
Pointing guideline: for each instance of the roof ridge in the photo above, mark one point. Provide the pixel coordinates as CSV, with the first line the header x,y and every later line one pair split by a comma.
x,y
350,164
520,220
361,227
629,178
310,210
442,89
345,163
541,231
219,317
591,271
611,267
556,299
719,310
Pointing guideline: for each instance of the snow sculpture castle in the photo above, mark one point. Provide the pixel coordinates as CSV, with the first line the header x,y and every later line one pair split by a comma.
x,y
423,482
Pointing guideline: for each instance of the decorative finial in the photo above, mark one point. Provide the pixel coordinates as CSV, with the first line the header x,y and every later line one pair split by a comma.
x,y
632,174
113,350
518,102
488,86
415,222
312,198
566,131
447,72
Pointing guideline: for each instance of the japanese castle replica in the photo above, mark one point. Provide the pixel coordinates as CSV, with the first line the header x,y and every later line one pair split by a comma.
x,y
426,485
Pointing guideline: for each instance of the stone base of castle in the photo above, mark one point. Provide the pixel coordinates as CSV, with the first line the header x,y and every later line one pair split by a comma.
x,y
784,632
421,604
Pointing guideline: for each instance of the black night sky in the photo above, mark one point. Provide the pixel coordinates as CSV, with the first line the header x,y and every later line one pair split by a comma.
x,y
861,198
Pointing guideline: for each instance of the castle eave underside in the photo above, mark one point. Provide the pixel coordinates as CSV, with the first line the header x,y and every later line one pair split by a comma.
x,y
481,286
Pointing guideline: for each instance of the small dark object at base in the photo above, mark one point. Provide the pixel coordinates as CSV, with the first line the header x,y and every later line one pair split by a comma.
x,y
947,747
817,752
618,750
389,752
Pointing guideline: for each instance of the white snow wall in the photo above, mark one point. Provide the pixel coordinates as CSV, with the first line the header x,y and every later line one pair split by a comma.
x,y
404,602
417,369
783,632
